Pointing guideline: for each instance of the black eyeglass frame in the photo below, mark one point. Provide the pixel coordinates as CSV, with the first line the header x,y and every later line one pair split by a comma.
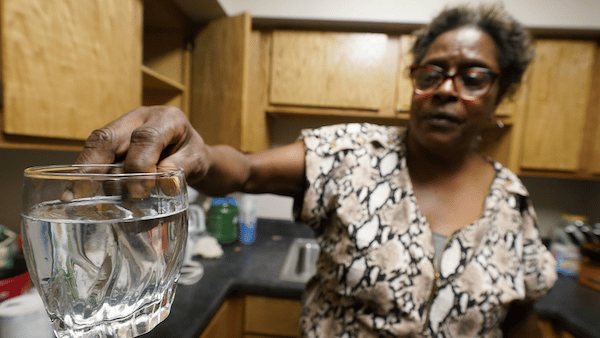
x,y
460,87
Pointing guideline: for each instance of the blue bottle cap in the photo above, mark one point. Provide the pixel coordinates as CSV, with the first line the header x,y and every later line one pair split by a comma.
x,y
224,200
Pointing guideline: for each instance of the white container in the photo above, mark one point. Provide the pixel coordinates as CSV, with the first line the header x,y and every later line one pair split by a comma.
x,y
24,316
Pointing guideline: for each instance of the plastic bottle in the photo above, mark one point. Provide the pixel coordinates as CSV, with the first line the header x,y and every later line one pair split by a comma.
x,y
247,219
565,245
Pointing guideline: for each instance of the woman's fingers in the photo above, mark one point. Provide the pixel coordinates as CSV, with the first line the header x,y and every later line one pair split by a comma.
x,y
138,139
192,158
107,144
142,139
165,131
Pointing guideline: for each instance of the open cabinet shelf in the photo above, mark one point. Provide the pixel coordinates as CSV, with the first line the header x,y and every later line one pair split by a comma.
x,y
166,55
153,79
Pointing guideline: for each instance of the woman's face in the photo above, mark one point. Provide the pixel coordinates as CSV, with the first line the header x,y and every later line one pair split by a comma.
x,y
442,119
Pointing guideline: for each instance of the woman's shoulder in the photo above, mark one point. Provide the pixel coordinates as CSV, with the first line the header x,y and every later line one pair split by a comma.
x,y
507,180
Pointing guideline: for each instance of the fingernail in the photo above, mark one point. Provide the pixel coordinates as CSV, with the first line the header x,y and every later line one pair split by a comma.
x,y
169,186
67,196
140,190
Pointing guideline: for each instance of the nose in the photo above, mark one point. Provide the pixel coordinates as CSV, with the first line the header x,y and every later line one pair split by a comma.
x,y
447,87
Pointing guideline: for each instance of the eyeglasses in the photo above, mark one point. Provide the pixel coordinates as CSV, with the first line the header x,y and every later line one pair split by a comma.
x,y
472,82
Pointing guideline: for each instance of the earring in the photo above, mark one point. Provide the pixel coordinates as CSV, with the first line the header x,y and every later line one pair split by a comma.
x,y
493,133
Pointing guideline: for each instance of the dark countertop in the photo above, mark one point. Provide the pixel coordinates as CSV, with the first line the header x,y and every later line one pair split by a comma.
x,y
255,269
572,307
250,268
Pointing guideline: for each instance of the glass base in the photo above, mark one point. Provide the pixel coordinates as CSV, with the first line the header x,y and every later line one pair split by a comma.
x,y
138,323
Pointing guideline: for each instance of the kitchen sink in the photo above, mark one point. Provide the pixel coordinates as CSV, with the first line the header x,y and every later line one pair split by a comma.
x,y
300,262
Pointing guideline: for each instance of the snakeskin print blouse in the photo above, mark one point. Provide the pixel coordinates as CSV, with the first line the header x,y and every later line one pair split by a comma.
x,y
376,272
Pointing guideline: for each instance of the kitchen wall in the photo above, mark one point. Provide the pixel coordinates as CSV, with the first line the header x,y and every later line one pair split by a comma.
x,y
553,197
560,14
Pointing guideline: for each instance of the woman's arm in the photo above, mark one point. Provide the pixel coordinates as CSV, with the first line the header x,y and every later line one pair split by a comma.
x,y
147,137
277,171
521,321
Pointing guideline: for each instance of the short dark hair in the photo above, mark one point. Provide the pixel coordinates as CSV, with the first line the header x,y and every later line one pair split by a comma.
x,y
515,47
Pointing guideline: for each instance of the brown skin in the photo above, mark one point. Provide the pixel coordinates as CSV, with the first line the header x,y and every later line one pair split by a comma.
x,y
446,173
152,136
445,170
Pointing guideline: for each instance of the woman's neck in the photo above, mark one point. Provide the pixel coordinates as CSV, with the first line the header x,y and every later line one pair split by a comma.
x,y
425,165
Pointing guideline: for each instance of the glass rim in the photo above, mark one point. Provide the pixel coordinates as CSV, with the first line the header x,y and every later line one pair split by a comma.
x,y
69,171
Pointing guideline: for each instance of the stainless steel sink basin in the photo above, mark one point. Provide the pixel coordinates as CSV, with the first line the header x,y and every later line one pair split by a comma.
x,y
300,262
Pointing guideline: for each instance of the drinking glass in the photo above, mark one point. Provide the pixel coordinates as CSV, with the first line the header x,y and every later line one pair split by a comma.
x,y
104,247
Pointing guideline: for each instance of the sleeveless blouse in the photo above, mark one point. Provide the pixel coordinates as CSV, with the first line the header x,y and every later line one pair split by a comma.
x,y
376,273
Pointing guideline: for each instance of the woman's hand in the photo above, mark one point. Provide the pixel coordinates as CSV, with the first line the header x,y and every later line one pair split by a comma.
x,y
147,137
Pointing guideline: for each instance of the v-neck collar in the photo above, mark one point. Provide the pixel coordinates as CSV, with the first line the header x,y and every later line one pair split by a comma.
x,y
487,203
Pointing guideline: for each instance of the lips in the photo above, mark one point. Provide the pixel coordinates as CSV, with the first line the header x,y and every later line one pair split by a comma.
x,y
442,119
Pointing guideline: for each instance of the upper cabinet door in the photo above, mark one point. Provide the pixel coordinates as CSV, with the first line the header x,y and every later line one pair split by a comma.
x,y
404,88
557,105
594,118
334,69
595,165
69,66
220,81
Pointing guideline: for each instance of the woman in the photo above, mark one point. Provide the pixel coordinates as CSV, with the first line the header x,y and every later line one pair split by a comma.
x,y
420,234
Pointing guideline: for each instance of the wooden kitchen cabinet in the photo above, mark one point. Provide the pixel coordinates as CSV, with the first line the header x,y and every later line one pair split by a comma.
x,y
243,76
555,116
166,67
557,105
220,81
548,330
72,66
593,123
334,70
252,316
227,321
356,76
229,84
272,316
68,67
559,130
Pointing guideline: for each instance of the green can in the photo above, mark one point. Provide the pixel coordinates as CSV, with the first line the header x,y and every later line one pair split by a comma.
x,y
223,219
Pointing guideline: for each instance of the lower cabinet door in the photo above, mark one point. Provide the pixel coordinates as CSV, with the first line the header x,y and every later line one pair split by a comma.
x,y
271,316
227,322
